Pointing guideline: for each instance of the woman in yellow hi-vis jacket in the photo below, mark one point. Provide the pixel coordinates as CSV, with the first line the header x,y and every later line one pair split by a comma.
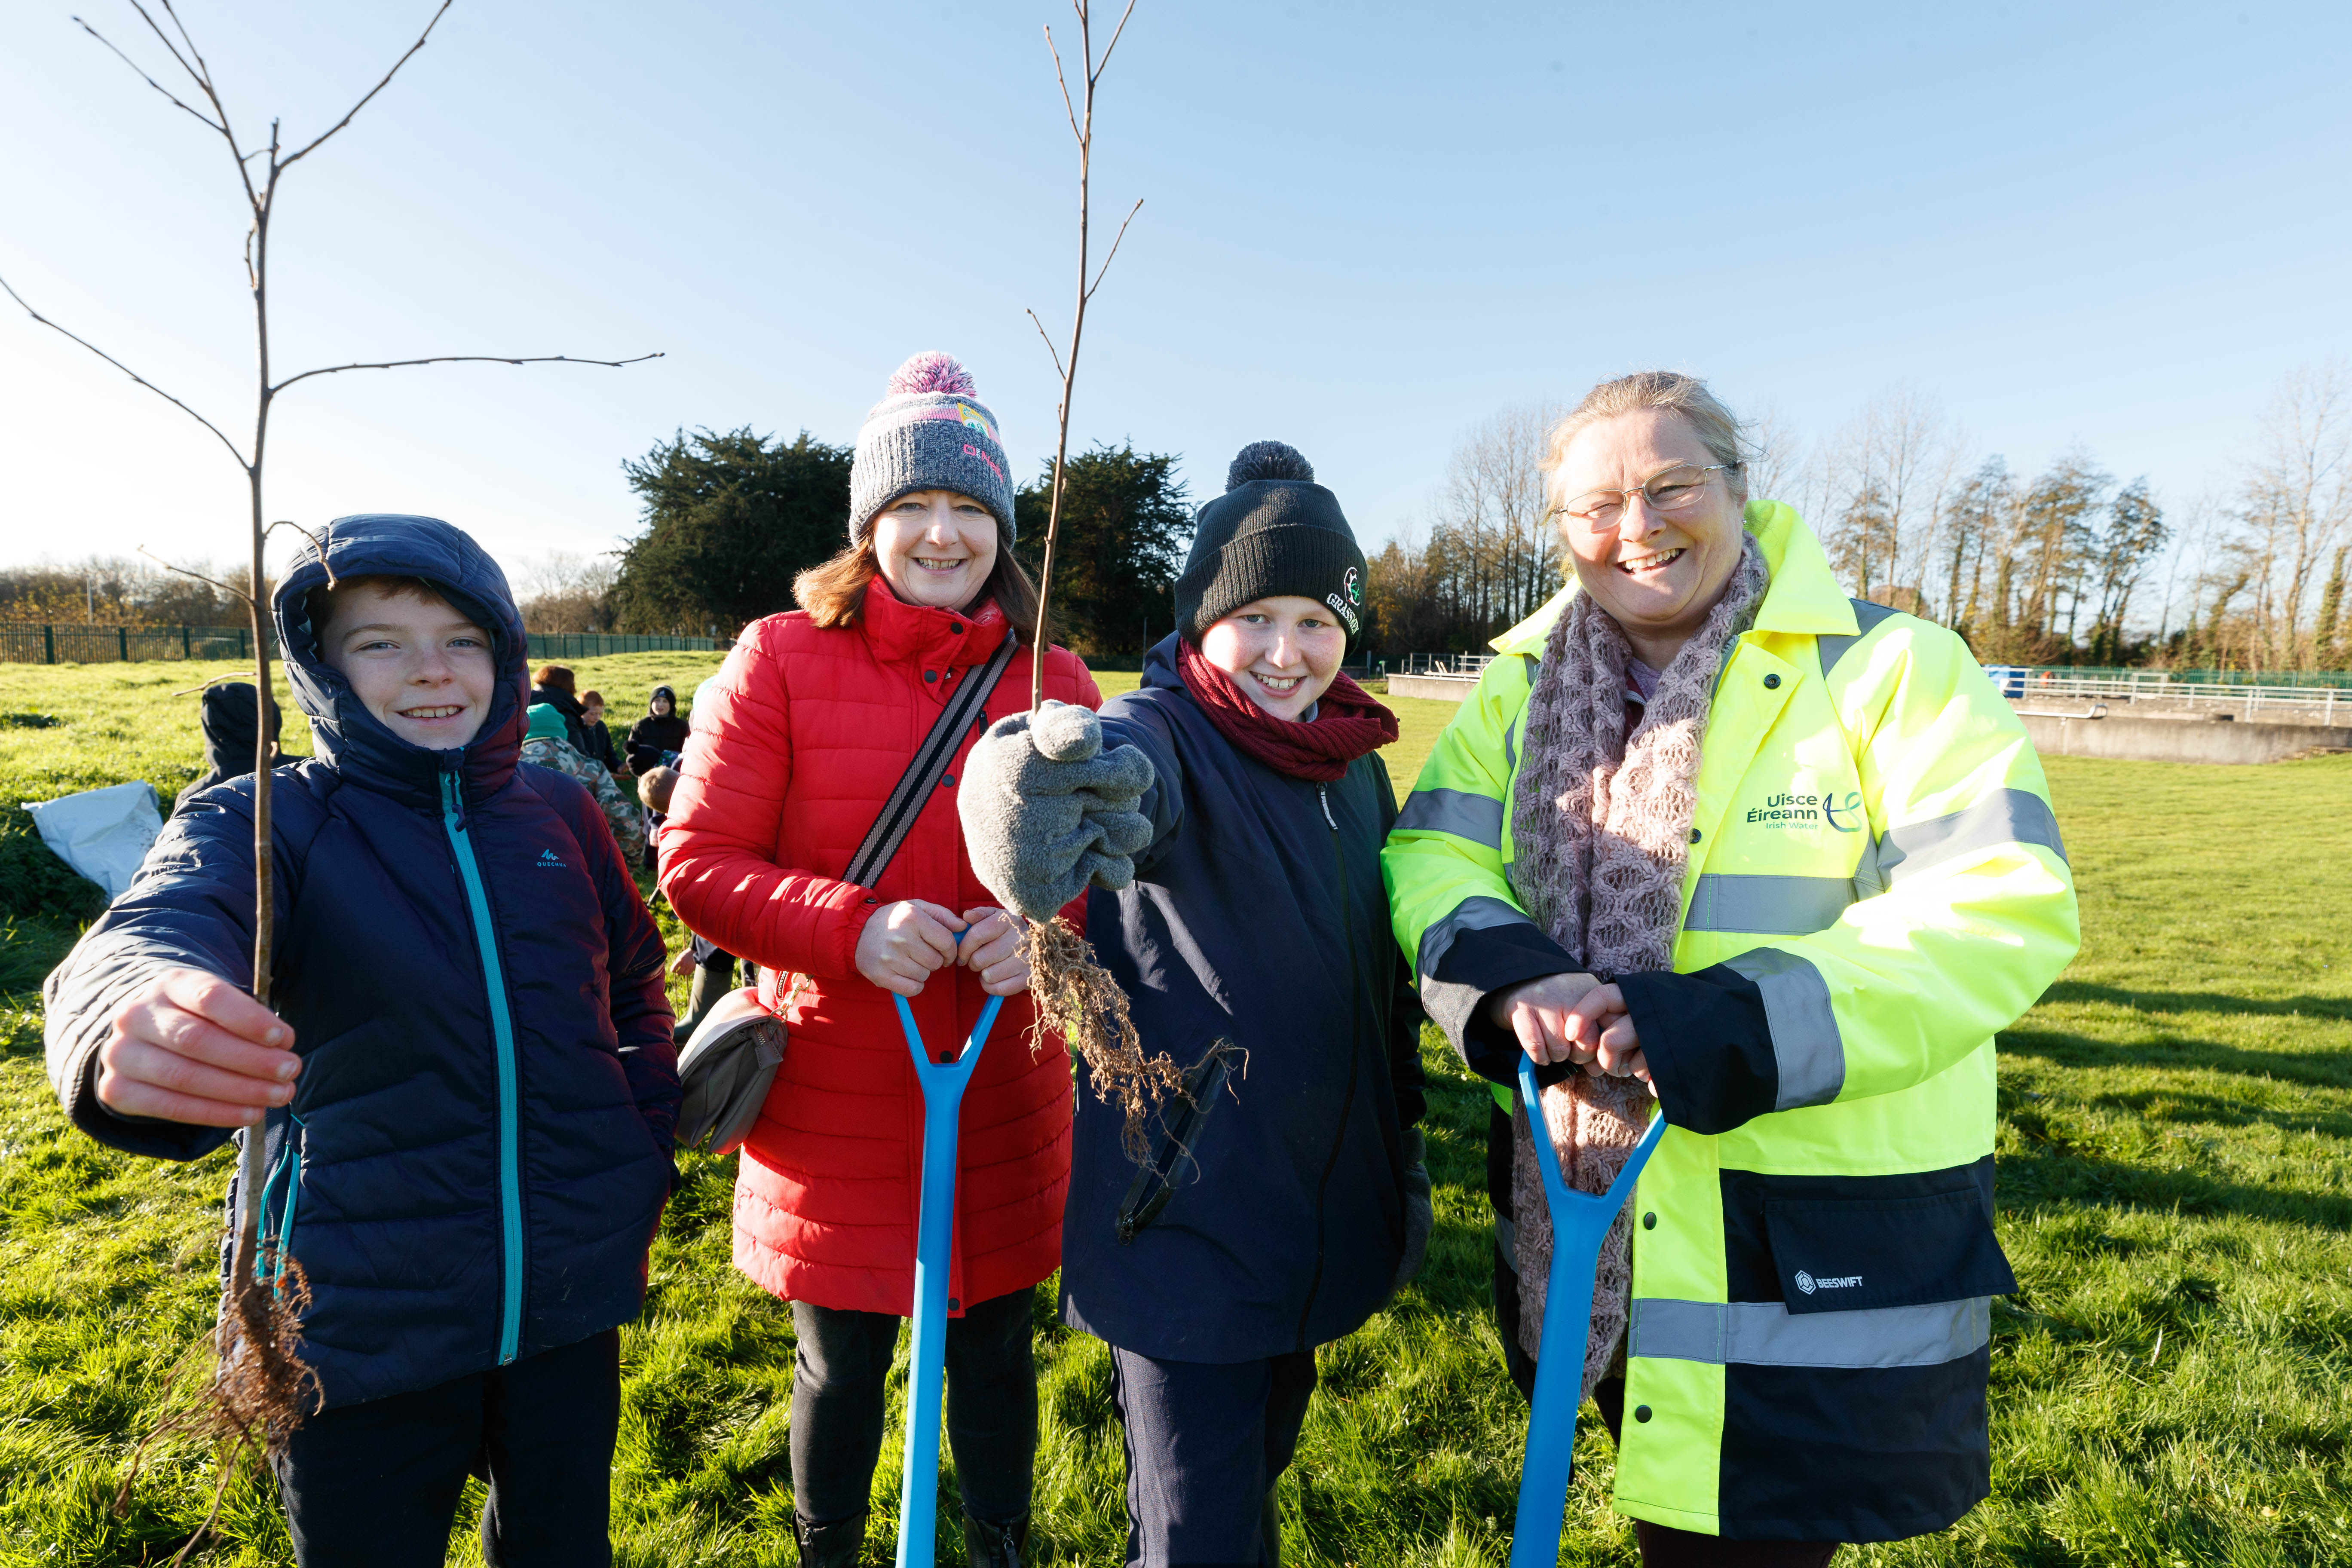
x,y
1711,829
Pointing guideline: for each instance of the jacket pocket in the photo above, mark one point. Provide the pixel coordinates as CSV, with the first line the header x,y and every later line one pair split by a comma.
x,y
1182,1121
1838,1255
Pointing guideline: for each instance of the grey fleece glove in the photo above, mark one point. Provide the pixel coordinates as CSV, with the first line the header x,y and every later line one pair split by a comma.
x,y
1046,812
1420,1211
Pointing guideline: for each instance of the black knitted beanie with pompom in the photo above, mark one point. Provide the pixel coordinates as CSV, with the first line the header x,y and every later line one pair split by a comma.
x,y
1274,532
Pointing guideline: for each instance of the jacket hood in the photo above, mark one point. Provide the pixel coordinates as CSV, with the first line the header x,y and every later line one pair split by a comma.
x,y
1160,664
351,739
1804,595
227,724
661,691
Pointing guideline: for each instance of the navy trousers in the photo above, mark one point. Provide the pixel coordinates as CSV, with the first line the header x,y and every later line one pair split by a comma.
x,y
377,1485
1205,1443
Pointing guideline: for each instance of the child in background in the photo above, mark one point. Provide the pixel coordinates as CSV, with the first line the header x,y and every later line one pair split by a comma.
x,y
544,745
554,686
470,1083
226,720
598,738
655,740
653,794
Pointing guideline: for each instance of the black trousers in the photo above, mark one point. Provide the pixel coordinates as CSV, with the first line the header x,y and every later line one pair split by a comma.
x,y
714,977
1663,1546
1205,1443
377,1485
840,1376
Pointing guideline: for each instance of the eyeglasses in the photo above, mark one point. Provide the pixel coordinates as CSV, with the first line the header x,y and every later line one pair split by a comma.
x,y
1675,489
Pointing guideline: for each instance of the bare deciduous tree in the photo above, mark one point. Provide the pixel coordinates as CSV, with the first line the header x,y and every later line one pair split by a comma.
x,y
1494,511
1082,128
1886,475
2296,500
565,591
1780,467
1075,992
257,1391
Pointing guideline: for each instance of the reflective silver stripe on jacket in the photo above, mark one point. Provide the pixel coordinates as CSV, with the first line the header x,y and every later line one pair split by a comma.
x,y
1463,813
2001,816
1766,1333
1774,906
1449,1004
1833,647
1805,1039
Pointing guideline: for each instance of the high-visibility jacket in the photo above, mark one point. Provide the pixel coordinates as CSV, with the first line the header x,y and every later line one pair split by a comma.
x,y
1876,885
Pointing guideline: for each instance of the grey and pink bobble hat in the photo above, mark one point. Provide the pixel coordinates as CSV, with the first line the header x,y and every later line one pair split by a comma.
x,y
929,432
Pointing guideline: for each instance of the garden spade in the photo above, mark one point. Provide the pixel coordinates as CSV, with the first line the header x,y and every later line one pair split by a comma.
x,y
1579,1223
943,1082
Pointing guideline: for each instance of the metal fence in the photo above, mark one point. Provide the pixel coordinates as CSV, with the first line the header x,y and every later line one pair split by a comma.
x,y
23,643
2341,679
27,644
1463,664
2280,704
589,645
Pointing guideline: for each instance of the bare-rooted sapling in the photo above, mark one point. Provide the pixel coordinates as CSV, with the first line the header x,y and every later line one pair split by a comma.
x,y
259,1388
1072,990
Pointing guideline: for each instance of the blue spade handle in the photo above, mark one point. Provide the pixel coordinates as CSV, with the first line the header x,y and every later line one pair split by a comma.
x,y
943,1083
1579,1223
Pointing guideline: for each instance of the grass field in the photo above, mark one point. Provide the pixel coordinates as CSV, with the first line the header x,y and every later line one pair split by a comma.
x,y
2176,1193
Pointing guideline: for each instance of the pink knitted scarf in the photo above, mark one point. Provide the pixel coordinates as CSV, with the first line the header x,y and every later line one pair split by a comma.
x,y
1602,830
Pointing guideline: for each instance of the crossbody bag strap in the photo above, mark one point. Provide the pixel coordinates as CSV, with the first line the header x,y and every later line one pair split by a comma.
x,y
923,772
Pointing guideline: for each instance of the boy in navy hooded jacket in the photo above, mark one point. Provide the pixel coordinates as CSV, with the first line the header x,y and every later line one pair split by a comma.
x,y
468,1090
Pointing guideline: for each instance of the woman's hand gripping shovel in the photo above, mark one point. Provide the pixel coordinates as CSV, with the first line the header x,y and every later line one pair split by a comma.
x,y
1579,1223
943,1082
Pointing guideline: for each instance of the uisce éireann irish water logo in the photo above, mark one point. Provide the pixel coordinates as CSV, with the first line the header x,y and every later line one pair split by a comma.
x,y
1792,807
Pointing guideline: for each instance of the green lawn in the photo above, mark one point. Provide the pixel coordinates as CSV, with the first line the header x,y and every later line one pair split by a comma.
x,y
2176,1193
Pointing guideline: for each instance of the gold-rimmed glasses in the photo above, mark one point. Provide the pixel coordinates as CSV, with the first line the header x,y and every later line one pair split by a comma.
x,y
1670,491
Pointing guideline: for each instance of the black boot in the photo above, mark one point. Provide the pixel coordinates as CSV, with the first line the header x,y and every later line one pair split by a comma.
x,y
987,1545
831,1546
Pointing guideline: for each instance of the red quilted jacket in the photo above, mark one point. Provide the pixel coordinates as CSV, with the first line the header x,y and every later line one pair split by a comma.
x,y
795,752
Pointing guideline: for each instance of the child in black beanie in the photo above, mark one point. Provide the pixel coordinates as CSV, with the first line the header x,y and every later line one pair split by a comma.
x,y
1239,905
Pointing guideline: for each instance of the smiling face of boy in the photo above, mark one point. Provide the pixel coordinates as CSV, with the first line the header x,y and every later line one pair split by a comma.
x,y
413,658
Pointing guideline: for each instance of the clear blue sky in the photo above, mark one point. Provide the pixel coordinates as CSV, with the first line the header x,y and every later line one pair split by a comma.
x,y
1365,227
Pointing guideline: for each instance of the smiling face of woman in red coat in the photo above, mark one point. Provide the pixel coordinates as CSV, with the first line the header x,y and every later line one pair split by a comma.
x,y
936,547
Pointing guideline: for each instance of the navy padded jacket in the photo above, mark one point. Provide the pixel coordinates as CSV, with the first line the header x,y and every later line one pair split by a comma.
x,y
1254,948
478,1148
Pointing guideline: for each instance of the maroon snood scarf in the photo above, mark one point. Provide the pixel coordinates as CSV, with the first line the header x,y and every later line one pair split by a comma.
x,y
1347,722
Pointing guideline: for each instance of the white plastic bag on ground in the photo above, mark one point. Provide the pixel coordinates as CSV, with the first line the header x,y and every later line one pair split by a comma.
x,y
103,833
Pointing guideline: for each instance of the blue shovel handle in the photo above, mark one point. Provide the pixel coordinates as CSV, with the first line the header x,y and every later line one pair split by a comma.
x,y
943,1084
1579,1223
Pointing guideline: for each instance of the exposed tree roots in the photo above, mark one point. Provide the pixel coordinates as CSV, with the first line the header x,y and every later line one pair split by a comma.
x,y
1075,995
257,1389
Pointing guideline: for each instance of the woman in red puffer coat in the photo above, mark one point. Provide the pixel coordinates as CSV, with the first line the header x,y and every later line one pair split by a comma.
x,y
812,722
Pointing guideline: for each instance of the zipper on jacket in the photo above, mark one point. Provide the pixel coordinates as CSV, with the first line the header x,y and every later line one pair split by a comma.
x,y
1355,1055
289,1165
453,821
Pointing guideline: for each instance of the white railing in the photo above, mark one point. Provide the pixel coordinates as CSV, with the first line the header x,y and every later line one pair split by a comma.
x,y
2279,704
1466,665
